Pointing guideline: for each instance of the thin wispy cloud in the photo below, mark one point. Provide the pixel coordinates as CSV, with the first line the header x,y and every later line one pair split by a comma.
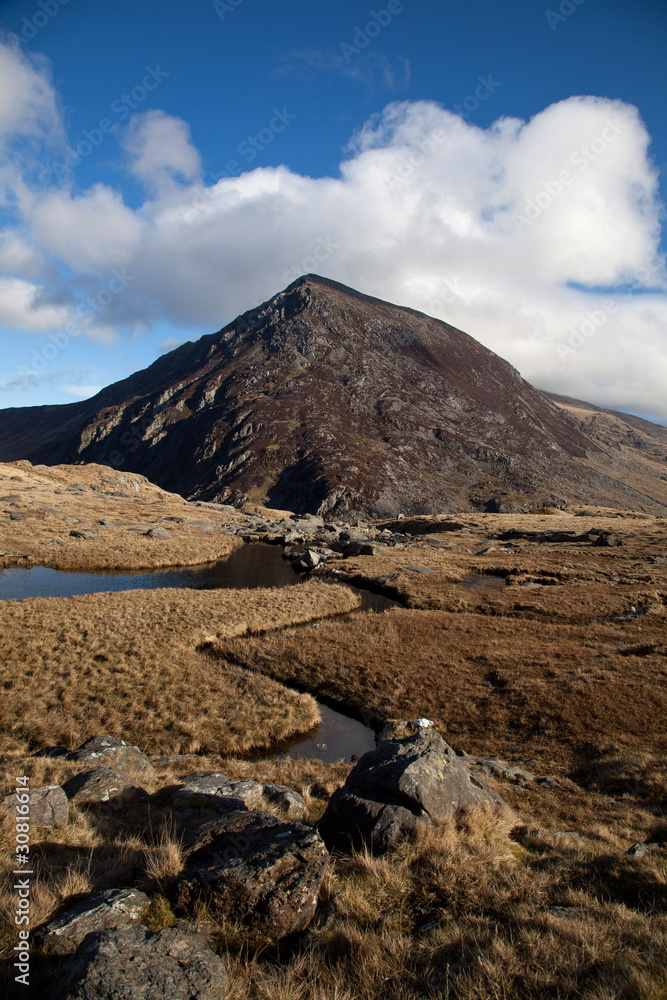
x,y
373,70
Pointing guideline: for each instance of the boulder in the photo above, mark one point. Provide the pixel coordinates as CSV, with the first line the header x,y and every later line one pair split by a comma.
x,y
48,806
217,791
132,963
254,868
104,785
404,782
84,533
360,548
109,749
310,558
98,912
305,561
158,533
291,804
607,540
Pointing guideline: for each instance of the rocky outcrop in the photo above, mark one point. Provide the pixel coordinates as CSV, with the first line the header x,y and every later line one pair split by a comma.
x,y
327,400
128,963
406,781
255,869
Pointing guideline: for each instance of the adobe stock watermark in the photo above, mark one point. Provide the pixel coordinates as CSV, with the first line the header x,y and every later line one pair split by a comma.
x,y
22,875
89,309
249,149
377,22
43,12
129,441
596,318
565,10
449,293
224,7
321,252
427,146
552,189
121,109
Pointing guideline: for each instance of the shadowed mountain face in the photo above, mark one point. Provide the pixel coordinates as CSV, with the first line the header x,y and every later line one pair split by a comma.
x,y
327,400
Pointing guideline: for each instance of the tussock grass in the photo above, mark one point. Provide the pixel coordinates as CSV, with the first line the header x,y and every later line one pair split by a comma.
x,y
127,663
487,906
467,911
136,846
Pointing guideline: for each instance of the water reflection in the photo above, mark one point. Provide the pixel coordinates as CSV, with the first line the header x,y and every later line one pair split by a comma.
x,y
250,566
338,737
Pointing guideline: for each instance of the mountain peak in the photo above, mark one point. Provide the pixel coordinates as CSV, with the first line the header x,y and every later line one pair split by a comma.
x,y
328,400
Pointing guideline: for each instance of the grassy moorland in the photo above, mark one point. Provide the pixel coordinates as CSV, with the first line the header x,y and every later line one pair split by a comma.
x,y
561,670
40,506
127,663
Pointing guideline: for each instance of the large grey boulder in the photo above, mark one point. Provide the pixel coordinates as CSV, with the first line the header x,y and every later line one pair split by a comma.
x,y
98,912
111,750
48,806
131,963
251,867
106,785
390,790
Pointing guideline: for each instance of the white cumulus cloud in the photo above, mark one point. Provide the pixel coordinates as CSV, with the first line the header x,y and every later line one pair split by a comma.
x,y
536,237
160,151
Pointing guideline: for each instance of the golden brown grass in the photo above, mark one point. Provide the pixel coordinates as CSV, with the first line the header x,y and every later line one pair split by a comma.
x,y
478,912
127,663
117,506
528,674
579,582
540,904
138,845
489,906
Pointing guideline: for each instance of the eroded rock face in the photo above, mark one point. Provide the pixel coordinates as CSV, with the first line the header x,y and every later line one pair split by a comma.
x,y
131,963
252,867
392,789
327,400
98,912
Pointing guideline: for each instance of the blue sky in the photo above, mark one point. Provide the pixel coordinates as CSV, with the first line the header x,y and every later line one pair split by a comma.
x,y
501,165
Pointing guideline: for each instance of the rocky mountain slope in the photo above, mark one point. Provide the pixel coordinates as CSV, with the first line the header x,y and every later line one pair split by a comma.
x,y
327,400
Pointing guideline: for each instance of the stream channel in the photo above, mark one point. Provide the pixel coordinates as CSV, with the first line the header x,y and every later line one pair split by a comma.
x,y
252,565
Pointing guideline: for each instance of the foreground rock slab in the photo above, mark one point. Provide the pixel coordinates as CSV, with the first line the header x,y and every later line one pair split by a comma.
x,y
99,912
131,963
251,867
404,782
